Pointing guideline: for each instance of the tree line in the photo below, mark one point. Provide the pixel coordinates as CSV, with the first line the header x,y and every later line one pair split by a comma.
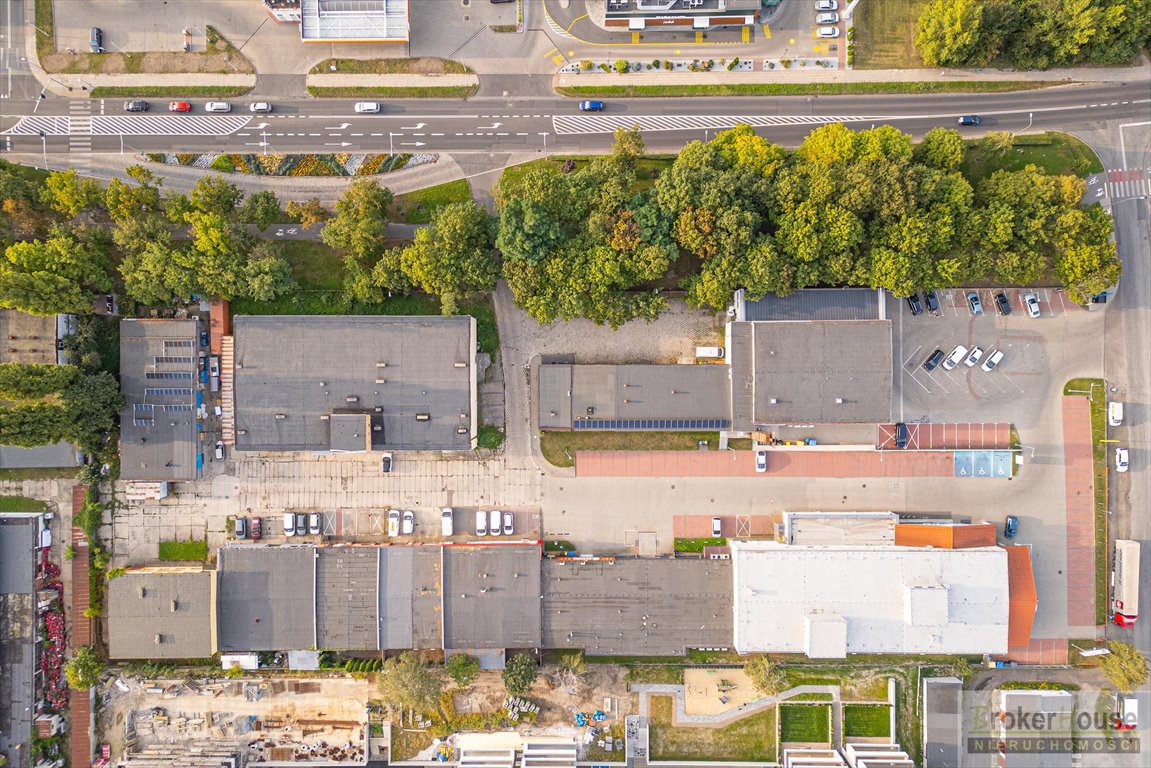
x,y
1032,34
44,404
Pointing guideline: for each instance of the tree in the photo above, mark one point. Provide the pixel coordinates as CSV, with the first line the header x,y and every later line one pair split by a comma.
x,y
453,255
126,202
409,682
743,147
83,670
1125,667
19,381
360,226
519,673
309,213
220,247
21,219
266,274
941,148
765,675
463,669
999,142
60,274
261,209
1086,260
31,425
68,193
160,272
215,194
949,33
92,403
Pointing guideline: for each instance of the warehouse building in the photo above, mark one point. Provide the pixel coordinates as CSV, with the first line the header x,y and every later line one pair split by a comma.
x,y
162,613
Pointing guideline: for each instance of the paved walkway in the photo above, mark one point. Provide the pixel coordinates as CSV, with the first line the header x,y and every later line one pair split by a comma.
x,y
680,717
1078,469
811,462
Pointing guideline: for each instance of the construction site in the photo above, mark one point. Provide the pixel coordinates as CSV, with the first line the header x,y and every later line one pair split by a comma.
x,y
188,723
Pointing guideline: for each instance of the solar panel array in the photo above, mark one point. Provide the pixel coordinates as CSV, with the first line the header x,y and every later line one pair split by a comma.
x,y
654,424
168,375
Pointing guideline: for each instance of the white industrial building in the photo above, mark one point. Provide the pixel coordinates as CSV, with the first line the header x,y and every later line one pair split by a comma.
x,y
829,601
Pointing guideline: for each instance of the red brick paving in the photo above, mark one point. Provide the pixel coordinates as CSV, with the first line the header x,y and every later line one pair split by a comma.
x,y
1080,495
958,436
798,463
732,526
1049,651
80,706
79,703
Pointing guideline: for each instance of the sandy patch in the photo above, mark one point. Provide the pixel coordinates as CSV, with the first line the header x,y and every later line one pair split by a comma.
x,y
712,691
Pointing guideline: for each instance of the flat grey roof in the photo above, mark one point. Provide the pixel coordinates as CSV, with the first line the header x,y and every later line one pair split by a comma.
x,y
346,598
27,338
292,373
637,607
812,304
266,598
427,597
491,597
158,615
18,630
395,592
942,722
633,393
827,372
158,375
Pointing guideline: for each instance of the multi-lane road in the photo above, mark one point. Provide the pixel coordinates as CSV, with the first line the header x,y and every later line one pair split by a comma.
x,y
511,125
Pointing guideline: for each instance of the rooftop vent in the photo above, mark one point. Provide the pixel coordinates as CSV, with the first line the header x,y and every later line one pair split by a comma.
x,y
423,417
463,415
461,430
324,416
281,416
461,365
241,431
159,639
140,591
839,401
381,364
323,383
174,605
377,428
379,409
352,398
381,381
773,401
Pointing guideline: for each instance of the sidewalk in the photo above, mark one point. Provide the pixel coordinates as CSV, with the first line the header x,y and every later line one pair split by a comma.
x,y
598,78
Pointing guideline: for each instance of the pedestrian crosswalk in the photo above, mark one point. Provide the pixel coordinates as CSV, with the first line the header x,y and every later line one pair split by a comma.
x,y
81,122
586,124
80,136
1124,184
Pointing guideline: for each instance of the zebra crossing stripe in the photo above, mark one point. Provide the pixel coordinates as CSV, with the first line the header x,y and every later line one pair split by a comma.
x,y
1124,184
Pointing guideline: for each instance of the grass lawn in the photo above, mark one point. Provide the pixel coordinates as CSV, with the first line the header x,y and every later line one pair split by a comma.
x,y
655,674
802,89
1056,153
490,437
643,168
697,545
315,266
1098,397
804,722
558,545
163,91
193,549
866,720
21,504
385,92
37,473
885,34
416,66
307,302
560,448
417,207
752,738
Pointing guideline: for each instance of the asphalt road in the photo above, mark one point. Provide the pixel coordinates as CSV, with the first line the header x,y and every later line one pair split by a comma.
x,y
554,125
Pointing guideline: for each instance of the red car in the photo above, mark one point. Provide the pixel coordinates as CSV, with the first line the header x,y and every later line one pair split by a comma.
x,y
179,106
257,528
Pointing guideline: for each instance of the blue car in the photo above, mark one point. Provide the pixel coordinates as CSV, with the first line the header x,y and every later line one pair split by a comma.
x,y
1010,527
591,106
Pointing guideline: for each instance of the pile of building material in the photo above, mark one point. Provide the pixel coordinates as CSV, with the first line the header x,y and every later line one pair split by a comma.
x,y
515,707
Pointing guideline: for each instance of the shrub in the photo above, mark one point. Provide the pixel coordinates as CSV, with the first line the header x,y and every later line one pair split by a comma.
x,y
667,65
586,64
733,64
656,64
622,66
604,67
223,163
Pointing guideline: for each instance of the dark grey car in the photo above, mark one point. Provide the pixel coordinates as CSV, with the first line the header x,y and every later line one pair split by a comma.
x,y
301,524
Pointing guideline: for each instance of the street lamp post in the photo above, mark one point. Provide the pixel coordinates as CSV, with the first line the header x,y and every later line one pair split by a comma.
x,y
44,147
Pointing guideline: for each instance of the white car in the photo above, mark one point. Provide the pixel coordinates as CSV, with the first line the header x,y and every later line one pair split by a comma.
x,y
955,357
1121,460
992,360
481,523
394,522
827,32
761,461
495,521
1031,301
827,18
289,523
219,450
217,106
409,526
975,356
260,107
1114,413
827,5
509,523
446,521
367,107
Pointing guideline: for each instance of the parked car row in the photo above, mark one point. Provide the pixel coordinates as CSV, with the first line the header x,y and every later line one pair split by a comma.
x,y
301,524
961,354
139,105
245,528
974,303
495,523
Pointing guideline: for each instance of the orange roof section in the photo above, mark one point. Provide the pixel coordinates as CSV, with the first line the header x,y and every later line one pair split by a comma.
x,y
1024,600
219,323
944,536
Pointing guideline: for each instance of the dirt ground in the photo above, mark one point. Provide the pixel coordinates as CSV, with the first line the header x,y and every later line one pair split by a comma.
x,y
557,705
702,694
295,713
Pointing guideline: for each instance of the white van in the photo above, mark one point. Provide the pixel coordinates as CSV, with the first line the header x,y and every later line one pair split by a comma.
x,y
709,353
1114,414
496,520
217,106
481,523
446,521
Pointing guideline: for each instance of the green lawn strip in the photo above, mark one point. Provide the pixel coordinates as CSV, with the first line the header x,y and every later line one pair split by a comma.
x,y
414,66
21,504
37,473
558,546
725,658
866,720
487,332
648,168
811,697
1098,398
390,92
315,266
417,207
885,35
45,29
490,437
802,89
333,303
697,545
193,549
554,444
752,738
1056,153
1037,685
804,722
165,91
658,674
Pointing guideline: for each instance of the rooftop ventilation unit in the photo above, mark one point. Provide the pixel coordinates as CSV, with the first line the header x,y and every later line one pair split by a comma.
x,y
773,401
241,431
140,592
461,430
377,428
423,417
159,639
839,401
281,416
461,365
174,606
381,364
378,409
381,381
323,383
325,416
352,399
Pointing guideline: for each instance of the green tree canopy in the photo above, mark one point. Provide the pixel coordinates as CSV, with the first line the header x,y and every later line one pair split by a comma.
x,y
22,381
60,274
261,209
950,34
360,226
409,682
519,673
83,670
69,193
453,256
463,669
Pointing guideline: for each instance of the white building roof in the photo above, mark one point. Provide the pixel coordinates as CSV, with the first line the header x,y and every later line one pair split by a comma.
x,y
828,601
354,21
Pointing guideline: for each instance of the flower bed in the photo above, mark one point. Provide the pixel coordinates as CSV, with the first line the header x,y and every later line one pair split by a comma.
x,y
344,164
52,658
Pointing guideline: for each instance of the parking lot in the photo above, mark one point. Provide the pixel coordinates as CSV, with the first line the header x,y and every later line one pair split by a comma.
x,y
1014,391
792,28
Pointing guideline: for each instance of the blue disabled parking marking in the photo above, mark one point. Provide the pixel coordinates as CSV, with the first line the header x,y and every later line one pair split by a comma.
x,y
983,464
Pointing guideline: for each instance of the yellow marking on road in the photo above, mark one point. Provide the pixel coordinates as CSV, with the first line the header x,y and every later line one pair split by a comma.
x,y
558,58
698,37
747,34
791,41
767,31
634,38
571,53
569,29
549,53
